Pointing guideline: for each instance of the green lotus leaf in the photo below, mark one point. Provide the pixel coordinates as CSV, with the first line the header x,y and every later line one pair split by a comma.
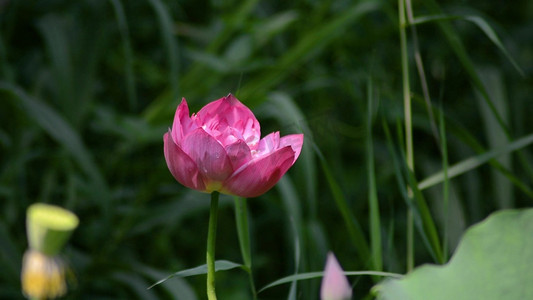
x,y
494,260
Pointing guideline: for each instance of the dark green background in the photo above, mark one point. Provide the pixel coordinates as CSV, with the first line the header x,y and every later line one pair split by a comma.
x,y
88,88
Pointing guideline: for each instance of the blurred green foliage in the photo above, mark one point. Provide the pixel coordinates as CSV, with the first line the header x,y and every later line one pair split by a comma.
x,y
88,88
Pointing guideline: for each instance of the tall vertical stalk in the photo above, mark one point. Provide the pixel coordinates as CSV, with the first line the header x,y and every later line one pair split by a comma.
x,y
420,68
241,219
373,203
445,186
211,238
408,127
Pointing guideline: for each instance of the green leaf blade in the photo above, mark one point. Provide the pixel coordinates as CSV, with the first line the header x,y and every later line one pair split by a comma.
x,y
220,265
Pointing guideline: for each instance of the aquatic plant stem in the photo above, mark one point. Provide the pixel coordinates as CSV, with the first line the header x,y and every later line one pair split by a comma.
x,y
445,186
211,239
408,128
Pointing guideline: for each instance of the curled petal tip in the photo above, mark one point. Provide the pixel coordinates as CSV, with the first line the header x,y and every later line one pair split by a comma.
x,y
232,99
296,142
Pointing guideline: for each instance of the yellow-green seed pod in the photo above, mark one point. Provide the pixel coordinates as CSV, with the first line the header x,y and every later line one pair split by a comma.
x,y
49,227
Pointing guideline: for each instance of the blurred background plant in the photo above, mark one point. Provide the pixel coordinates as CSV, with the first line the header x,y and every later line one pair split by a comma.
x,y
88,89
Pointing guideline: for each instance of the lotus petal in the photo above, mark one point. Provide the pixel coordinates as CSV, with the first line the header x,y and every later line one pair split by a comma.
x,y
258,176
182,167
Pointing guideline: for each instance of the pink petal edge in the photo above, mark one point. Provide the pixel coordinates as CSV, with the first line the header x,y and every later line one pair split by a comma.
x,y
258,176
296,142
182,124
181,166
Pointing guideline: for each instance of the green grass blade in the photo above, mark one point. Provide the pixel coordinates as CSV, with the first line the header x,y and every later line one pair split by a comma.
x,y
406,89
458,131
135,283
462,54
301,199
415,201
241,219
420,69
178,288
313,275
167,34
297,254
475,161
489,32
445,187
375,224
501,187
128,52
310,43
402,187
220,265
480,23
274,25
243,232
60,130
200,78
282,107
355,233
429,228
52,29
462,134
291,203
234,22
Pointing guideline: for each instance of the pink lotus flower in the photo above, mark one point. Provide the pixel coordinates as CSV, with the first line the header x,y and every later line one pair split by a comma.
x,y
220,149
335,285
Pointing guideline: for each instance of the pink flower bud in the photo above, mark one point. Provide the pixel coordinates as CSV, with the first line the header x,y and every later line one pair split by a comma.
x,y
335,285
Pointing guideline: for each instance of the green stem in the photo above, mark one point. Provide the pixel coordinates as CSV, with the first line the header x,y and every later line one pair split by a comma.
x,y
211,238
410,238
445,186
408,127
373,203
